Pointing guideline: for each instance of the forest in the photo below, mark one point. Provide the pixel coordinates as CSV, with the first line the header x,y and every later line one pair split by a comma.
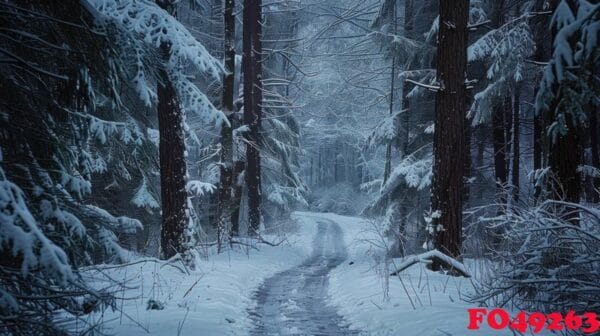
x,y
299,167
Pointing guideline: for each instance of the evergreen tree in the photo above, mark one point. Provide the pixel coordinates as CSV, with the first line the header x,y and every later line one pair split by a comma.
x,y
566,95
252,65
226,191
449,137
172,158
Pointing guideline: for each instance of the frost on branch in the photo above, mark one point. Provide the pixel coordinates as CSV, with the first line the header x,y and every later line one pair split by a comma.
x,y
412,174
198,188
105,234
144,198
152,27
20,234
385,131
546,263
565,84
429,257
505,51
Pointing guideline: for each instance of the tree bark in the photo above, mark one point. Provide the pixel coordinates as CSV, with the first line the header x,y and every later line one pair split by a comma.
x,y
564,159
405,124
516,145
501,113
538,135
543,50
564,155
388,149
172,158
449,136
409,33
311,172
468,162
499,144
252,64
508,128
335,168
388,162
320,168
595,153
225,202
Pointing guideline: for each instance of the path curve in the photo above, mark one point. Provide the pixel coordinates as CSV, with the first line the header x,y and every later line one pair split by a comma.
x,y
294,302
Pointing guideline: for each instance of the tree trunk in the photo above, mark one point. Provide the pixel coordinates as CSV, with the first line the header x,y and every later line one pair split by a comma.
x,y
252,26
468,162
320,168
226,179
238,168
564,159
408,33
335,167
388,162
543,50
449,136
248,73
500,115
564,155
405,125
538,135
516,145
595,153
481,137
508,128
388,149
172,159
499,143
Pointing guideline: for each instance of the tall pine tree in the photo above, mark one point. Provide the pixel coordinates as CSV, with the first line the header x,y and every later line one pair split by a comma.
x,y
172,156
252,67
449,137
226,179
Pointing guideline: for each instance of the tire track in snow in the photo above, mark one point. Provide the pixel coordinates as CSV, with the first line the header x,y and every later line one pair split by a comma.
x,y
294,302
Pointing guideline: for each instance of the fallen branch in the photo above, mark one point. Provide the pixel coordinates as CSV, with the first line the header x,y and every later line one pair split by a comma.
x,y
195,283
376,305
430,257
262,240
162,263
233,241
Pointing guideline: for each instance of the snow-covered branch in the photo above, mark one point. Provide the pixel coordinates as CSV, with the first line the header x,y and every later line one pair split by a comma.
x,y
434,88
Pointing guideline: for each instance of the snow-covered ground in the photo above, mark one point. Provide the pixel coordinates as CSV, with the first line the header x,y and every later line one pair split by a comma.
x,y
356,288
213,300
217,298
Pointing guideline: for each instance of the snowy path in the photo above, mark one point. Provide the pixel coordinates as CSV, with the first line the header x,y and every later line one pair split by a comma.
x,y
293,302
324,281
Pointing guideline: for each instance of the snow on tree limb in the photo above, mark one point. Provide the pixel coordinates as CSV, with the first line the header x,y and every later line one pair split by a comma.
x,y
198,188
145,20
574,46
21,234
434,88
144,198
506,50
428,257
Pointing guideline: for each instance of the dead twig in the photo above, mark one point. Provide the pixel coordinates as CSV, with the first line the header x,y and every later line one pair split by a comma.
x,y
195,283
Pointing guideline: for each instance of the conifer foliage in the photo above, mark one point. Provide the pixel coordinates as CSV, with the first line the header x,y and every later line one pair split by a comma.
x,y
78,80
